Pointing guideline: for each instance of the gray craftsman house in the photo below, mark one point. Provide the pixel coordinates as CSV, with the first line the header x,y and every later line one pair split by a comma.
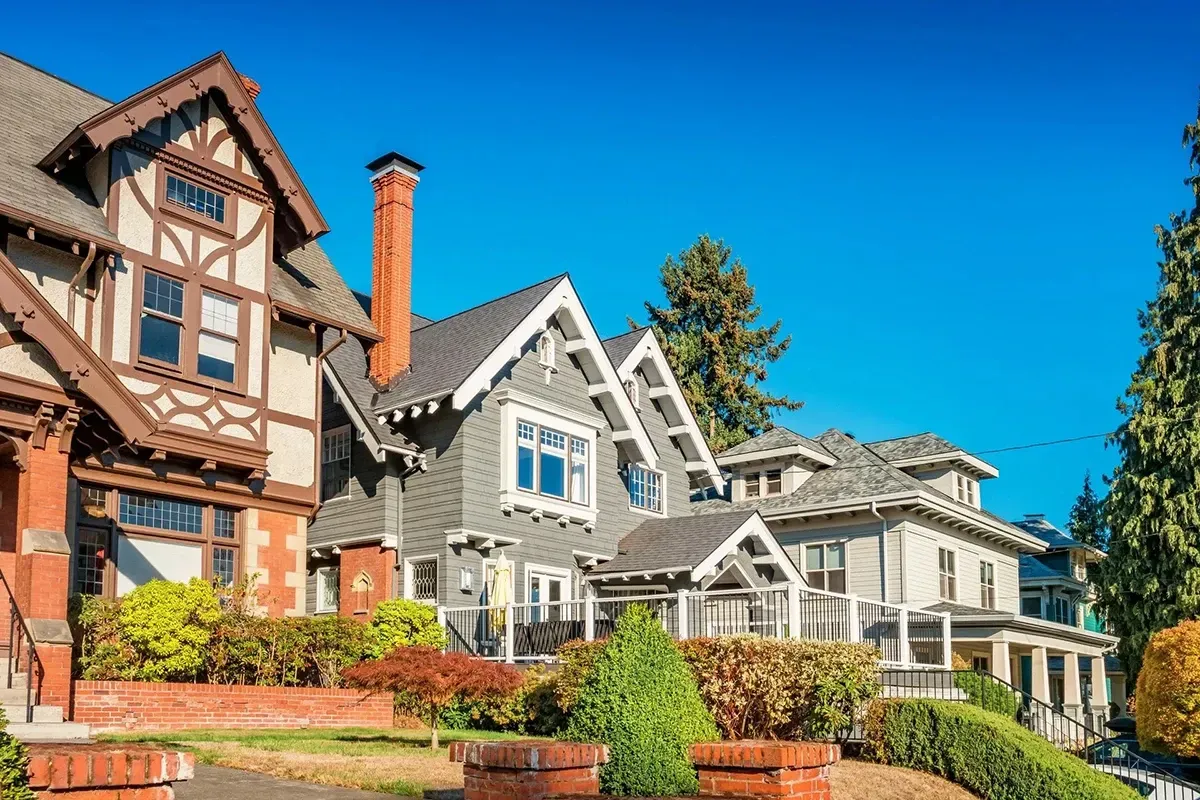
x,y
512,428
903,521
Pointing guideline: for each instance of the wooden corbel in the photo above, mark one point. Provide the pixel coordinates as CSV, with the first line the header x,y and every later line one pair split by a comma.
x,y
66,429
41,425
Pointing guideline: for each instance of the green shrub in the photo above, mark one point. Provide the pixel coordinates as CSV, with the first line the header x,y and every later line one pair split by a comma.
x,y
14,766
988,755
169,626
641,700
329,644
987,694
405,623
100,653
532,710
575,662
782,688
1168,692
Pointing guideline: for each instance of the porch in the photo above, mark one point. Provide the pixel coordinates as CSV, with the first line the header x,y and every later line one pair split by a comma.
x,y
529,632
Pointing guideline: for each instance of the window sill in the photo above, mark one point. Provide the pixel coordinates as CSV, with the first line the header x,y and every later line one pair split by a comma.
x,y
160,368
645,512
550,507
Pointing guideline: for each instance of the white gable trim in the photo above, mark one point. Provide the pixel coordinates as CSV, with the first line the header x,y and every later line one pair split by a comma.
x,y
562,302
647,348
352,411
754,526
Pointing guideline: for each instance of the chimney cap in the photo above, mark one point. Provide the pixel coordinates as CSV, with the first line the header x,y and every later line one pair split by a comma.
x,y
394,159
1034,517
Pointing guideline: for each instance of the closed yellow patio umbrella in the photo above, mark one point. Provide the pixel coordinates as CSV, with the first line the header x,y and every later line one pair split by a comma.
x,y
500,592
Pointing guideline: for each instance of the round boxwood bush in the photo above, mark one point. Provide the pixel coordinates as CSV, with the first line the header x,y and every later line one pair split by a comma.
x,y
641,700
1168,692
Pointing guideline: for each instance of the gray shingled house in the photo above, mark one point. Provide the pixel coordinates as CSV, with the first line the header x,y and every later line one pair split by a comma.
x,y
512,428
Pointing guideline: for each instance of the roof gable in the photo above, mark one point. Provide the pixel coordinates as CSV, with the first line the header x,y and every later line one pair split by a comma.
x,y
777,442
929,448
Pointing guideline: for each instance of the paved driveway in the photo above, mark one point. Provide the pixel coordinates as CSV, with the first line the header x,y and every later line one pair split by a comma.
x,y
218,783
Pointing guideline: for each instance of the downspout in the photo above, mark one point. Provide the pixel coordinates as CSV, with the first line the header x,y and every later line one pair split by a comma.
x,y
321,356
80,275
883,542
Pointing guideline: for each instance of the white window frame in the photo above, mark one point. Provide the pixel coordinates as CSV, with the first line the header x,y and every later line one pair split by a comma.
x,y
322,572
662,490
757,482
844,544
350,440
966,489
514,407
553,573
766,482
408,578
946,577
987,591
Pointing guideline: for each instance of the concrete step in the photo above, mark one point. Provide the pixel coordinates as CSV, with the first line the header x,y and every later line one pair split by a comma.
x,y
40,713
50,731
14,696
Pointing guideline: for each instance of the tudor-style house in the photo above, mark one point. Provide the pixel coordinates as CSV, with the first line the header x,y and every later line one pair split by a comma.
x,y
903,521
162,299
508,428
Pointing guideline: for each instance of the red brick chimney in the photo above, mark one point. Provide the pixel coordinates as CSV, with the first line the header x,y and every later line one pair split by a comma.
x,y
252,87
394,178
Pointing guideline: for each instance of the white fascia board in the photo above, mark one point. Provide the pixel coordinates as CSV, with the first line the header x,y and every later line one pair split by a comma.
x,y
647,348
791,451
831,509
753,526
352,411
1015,535
949,457
597,577
561,299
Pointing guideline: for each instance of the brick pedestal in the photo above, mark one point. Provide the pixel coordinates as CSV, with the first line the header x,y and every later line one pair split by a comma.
x,y
528,770
92,772
789,770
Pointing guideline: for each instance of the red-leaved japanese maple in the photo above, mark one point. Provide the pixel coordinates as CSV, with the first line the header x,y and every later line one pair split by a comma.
x,y
434,678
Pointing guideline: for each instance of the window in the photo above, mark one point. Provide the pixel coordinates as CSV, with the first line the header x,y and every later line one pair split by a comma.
x,y
335,463
222,566
645,489
1031,607
980,663
545,586
93,502
328,589
224,521
825,567
987,584
422,579
753,487
542,459
91,554
148,511
774,482
162,318
947,574
1060,610
195,198
216,350
967,489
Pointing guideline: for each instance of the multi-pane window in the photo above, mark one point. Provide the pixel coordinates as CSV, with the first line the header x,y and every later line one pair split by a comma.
x,y
423,580
186,194
91,553
947,574
825,567
224,523
552,463
1060,610
980,663
987,584
328,589
162,318
753,487
774,482
222,565
335,463
645,489
966,489
149,511
93,502
216,348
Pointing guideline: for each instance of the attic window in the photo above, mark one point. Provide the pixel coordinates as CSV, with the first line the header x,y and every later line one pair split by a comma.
x,y
195,198
632,390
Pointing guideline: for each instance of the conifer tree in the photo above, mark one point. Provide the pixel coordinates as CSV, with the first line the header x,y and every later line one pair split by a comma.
x,y
707,332
1151,578
1086,522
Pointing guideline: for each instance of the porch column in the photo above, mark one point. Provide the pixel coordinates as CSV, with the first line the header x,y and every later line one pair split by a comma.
x,y
1100,711
43,564
1072,687
1000,661
1118,693
1041,675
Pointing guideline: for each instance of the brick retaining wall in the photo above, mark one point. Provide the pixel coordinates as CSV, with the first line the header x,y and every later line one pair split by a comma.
x,y
104,772
135,706
528,770
783,770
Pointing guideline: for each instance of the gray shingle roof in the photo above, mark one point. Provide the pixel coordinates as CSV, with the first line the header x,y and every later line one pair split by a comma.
x,y
446,352
673,542
1042,529
619,347
37,111
959,610
349,361
308,279
921,444
774,439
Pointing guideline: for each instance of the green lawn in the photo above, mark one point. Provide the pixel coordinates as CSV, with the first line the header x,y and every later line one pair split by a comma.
x,y
393,760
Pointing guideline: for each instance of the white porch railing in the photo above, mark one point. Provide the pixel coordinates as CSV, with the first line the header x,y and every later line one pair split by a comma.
x,y
534,631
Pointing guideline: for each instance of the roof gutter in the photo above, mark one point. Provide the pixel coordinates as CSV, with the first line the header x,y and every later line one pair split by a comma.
x,y
874,509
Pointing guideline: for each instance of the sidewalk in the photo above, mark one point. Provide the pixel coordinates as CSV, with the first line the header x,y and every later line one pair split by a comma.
x,y
219,783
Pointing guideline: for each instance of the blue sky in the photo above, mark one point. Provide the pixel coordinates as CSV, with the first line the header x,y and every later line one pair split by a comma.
x,y
951,205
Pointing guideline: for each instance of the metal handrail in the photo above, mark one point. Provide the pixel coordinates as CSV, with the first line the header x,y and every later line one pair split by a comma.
x,y
19,634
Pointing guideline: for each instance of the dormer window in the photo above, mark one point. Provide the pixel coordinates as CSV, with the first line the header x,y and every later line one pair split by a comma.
x,y
967,490
546,351
633,392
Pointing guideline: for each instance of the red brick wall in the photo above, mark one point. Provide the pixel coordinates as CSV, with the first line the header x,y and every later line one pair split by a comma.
x,y
275,561
376,562
10,492
102,772
780,770
528,770
134,706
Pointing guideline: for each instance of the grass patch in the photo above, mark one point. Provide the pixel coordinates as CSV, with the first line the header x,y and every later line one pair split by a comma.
x,y
388,760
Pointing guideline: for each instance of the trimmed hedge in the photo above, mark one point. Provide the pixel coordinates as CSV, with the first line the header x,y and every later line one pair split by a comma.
x,y
640,699
984,753
1168,692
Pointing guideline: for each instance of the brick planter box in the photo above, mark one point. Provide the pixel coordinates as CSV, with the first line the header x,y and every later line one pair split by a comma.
x,y
790,770
98,772
136,706
528,770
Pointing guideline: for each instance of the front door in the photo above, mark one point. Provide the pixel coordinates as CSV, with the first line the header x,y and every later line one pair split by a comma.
x,y
544,588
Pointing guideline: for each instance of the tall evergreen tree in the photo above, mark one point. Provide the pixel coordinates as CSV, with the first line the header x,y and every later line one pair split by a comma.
x,y
1086,522
1151,578
707,332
